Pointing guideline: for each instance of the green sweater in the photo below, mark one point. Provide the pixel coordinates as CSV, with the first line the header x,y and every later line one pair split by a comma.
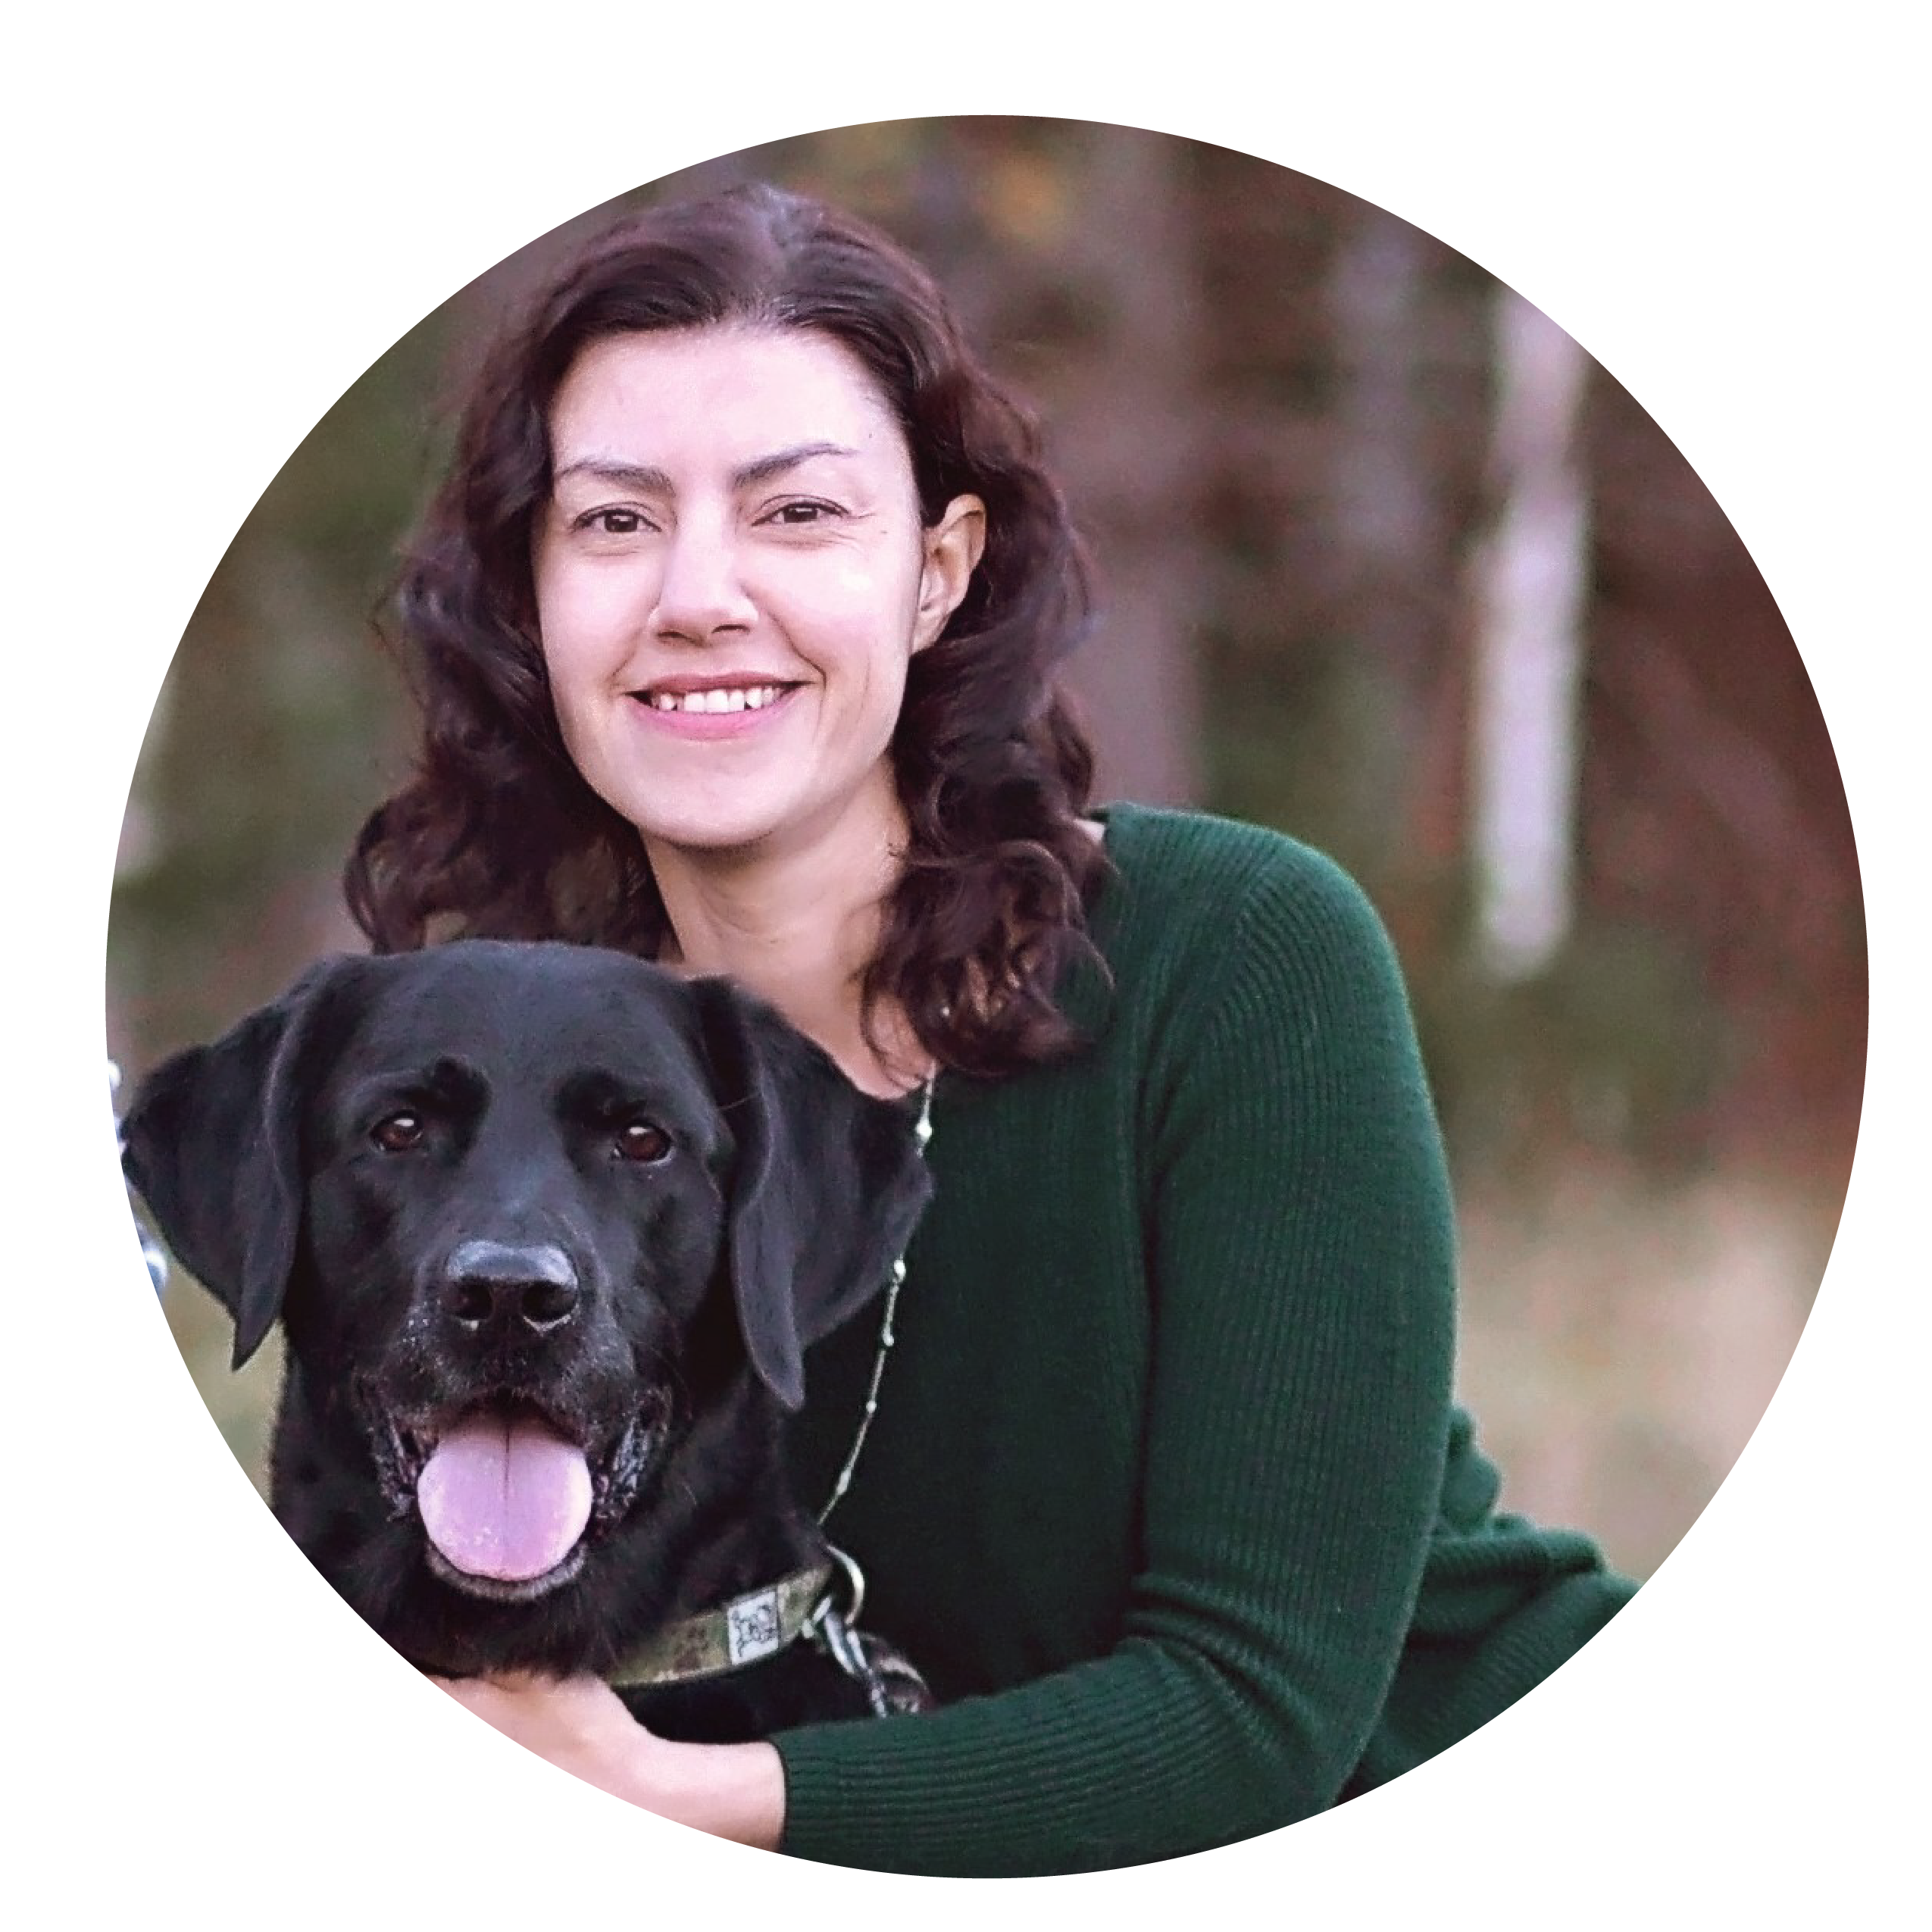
x,y
1165,1493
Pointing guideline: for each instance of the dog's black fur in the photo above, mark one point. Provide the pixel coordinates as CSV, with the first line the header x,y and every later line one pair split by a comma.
x,y
678,1192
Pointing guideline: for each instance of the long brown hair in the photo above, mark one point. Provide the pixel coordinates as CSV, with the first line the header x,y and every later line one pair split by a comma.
x,y
497,834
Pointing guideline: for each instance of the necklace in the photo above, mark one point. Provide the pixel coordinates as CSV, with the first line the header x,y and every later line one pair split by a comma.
x,y
922,1132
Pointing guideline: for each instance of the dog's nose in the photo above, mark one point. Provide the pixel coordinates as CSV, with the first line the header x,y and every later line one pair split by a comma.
x,y
490,1283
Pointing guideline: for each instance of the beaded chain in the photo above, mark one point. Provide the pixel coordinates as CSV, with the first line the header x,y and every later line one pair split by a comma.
x,y
922,1132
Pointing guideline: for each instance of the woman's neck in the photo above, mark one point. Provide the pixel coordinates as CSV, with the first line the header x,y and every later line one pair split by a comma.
x,y
798,930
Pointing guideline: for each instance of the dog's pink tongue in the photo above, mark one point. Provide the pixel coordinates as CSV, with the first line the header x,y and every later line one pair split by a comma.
x,y
504,1497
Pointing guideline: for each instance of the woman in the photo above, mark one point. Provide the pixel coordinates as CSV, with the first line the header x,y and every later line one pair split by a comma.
x,y
734,624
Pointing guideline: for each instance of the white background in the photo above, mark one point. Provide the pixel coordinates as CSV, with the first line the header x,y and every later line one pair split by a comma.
x,y
220,219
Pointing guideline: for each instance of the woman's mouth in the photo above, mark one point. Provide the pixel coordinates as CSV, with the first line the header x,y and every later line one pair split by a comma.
x,y
716,700
715,707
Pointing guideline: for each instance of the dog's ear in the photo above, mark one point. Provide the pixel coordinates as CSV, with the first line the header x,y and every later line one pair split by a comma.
x,y
828,1188
211,1144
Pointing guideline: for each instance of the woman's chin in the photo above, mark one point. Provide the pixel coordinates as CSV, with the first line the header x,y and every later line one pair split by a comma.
x,y
861,820
708,820
713,841
736,830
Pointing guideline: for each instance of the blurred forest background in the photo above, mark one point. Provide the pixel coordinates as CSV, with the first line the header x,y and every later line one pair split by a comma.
x,y
1388,563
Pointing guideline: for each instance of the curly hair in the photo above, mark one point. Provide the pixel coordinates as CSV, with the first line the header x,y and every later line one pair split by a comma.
x,y
496,833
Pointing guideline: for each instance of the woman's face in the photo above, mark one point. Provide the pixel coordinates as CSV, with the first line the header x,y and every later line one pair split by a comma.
x,y
731,578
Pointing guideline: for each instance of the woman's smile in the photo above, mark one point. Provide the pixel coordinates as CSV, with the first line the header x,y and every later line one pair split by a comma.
x,y
709,708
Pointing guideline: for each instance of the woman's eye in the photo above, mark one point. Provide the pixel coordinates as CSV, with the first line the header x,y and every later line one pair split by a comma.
x,y
397,1133
615,523
794,514
639,1140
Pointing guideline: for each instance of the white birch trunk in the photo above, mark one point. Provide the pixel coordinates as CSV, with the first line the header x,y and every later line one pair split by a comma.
x,y
1529,590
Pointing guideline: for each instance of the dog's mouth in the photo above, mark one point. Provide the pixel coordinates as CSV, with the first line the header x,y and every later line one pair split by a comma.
x,y
509,1498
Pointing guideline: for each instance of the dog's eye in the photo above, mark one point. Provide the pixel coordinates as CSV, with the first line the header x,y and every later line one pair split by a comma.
x,y
638,1140
398,1132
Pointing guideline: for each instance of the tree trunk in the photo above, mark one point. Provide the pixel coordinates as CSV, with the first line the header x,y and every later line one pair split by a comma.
x,y
1530,576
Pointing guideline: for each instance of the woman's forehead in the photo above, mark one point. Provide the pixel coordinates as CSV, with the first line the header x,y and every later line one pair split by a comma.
x,y
739,394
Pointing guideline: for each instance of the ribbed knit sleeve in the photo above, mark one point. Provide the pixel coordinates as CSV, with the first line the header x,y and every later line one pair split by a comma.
x,y
1299,1241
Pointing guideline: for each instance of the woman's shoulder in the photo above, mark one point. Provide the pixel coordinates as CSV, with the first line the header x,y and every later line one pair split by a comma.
x,y
1171,848
1183,880
1213,934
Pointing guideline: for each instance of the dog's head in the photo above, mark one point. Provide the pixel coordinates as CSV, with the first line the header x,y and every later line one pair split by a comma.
x,y
513,1204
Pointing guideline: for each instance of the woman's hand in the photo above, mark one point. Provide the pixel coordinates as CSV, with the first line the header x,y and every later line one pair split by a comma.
x,y
579,1724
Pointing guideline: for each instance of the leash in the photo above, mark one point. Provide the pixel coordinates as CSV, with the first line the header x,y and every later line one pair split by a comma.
x,y
836,1632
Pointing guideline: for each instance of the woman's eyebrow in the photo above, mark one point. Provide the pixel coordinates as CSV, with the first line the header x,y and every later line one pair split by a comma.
x,y
646,476
608,469
764,468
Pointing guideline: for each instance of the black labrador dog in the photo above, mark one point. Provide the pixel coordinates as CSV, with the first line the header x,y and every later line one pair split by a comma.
x,y
548,1230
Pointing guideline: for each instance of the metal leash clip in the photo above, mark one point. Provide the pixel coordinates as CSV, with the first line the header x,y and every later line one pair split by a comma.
x,y
835,1631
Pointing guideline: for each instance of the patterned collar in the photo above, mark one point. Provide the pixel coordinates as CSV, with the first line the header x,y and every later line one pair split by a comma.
x,y
759,1624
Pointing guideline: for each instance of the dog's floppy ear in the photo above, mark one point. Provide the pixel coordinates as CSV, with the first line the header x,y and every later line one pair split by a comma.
x,y
211,1144
829,1185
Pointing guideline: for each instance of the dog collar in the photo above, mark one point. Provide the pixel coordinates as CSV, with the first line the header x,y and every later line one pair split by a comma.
x,y
759,1624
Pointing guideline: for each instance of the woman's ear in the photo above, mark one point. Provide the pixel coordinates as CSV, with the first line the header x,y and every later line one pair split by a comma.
x,y
953,548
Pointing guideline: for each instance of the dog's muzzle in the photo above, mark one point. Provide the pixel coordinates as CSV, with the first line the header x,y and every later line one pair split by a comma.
x,y
509,1501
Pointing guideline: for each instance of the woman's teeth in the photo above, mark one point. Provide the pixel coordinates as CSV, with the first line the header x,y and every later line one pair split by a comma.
x,y
750,698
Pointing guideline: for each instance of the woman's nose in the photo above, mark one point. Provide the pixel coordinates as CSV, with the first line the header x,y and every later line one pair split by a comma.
x,y
702,591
